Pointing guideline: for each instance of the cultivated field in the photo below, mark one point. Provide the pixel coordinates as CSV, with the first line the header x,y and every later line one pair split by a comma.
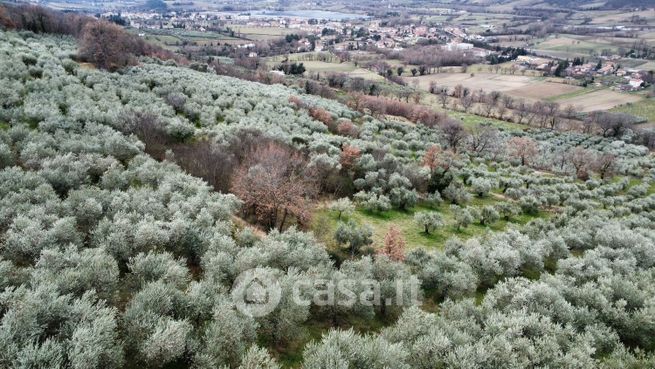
x,y
517,86
623,17
484,81
644,109
574,46
599,100
324,67
543,90
326,222
172,39
261,33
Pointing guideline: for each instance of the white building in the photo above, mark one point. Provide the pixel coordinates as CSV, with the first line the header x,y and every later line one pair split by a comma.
x,y
459,46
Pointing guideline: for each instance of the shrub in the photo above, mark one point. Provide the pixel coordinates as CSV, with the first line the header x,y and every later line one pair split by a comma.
x,y
489,215
481,186
342,206
463,216
529,205
428,220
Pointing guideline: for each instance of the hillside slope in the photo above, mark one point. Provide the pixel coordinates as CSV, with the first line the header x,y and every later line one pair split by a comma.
x,y
111,258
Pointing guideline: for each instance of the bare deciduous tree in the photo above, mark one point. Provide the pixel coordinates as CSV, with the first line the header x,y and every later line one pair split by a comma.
x,y
454,133
522,148
274,183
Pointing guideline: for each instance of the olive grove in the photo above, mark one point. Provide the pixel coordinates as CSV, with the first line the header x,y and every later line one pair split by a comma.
x,y
116,250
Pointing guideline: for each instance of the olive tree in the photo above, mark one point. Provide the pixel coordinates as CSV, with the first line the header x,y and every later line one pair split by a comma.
x,y
428,220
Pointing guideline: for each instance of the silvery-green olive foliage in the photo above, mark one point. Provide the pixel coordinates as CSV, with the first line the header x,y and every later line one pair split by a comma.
x,y
110,258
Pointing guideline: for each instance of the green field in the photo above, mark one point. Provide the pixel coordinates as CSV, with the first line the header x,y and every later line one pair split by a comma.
x,y
325,223
174,38
574,46
261,33
644,108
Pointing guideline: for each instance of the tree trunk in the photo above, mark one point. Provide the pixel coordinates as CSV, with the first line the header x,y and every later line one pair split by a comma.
x,y
284,219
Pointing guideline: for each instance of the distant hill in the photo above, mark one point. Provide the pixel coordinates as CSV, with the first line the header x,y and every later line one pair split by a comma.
x,y
610,4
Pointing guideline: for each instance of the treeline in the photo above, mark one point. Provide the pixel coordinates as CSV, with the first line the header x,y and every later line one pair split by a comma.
x,y
506,55
102,43
541,114
431,56
379,106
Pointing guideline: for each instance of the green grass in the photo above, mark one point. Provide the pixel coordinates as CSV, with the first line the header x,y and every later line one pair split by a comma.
x,y
573,94
644,109
319,66
291,354
172,38
471,120
326,222
575,45
261,33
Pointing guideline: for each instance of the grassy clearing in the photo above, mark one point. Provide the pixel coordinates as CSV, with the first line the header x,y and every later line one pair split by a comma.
x,y
597,99
171,39
261,33
326,222
573,45
644,108
573,94
471,121
323,67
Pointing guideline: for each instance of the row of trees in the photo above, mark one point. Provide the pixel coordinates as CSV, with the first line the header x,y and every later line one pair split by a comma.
x,y
537,114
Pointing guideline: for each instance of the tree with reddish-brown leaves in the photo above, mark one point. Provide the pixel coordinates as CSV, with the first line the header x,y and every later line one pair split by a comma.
x,y
321,115
426,117
275,183
110,47
524,149
104,45
431,157
347,128
5,20
297,102
435,158
394,244
349,156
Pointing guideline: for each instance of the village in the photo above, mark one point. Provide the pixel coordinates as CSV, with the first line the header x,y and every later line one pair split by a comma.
x,y
329,32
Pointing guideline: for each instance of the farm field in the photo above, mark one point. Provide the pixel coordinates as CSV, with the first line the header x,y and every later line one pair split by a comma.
x,y
173,38
366,74
648,65
261,33
517,86
599,100
324,67
623,17
543,90
485,81
644,108
567,46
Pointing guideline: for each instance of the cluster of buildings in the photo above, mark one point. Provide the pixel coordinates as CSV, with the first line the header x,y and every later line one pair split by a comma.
x,y
202,22
630,79
356,32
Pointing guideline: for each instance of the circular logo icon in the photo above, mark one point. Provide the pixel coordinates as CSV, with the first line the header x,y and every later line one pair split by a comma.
x,y
256,292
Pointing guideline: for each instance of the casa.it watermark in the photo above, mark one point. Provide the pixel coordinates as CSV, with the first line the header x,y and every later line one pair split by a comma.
x,y
258,292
